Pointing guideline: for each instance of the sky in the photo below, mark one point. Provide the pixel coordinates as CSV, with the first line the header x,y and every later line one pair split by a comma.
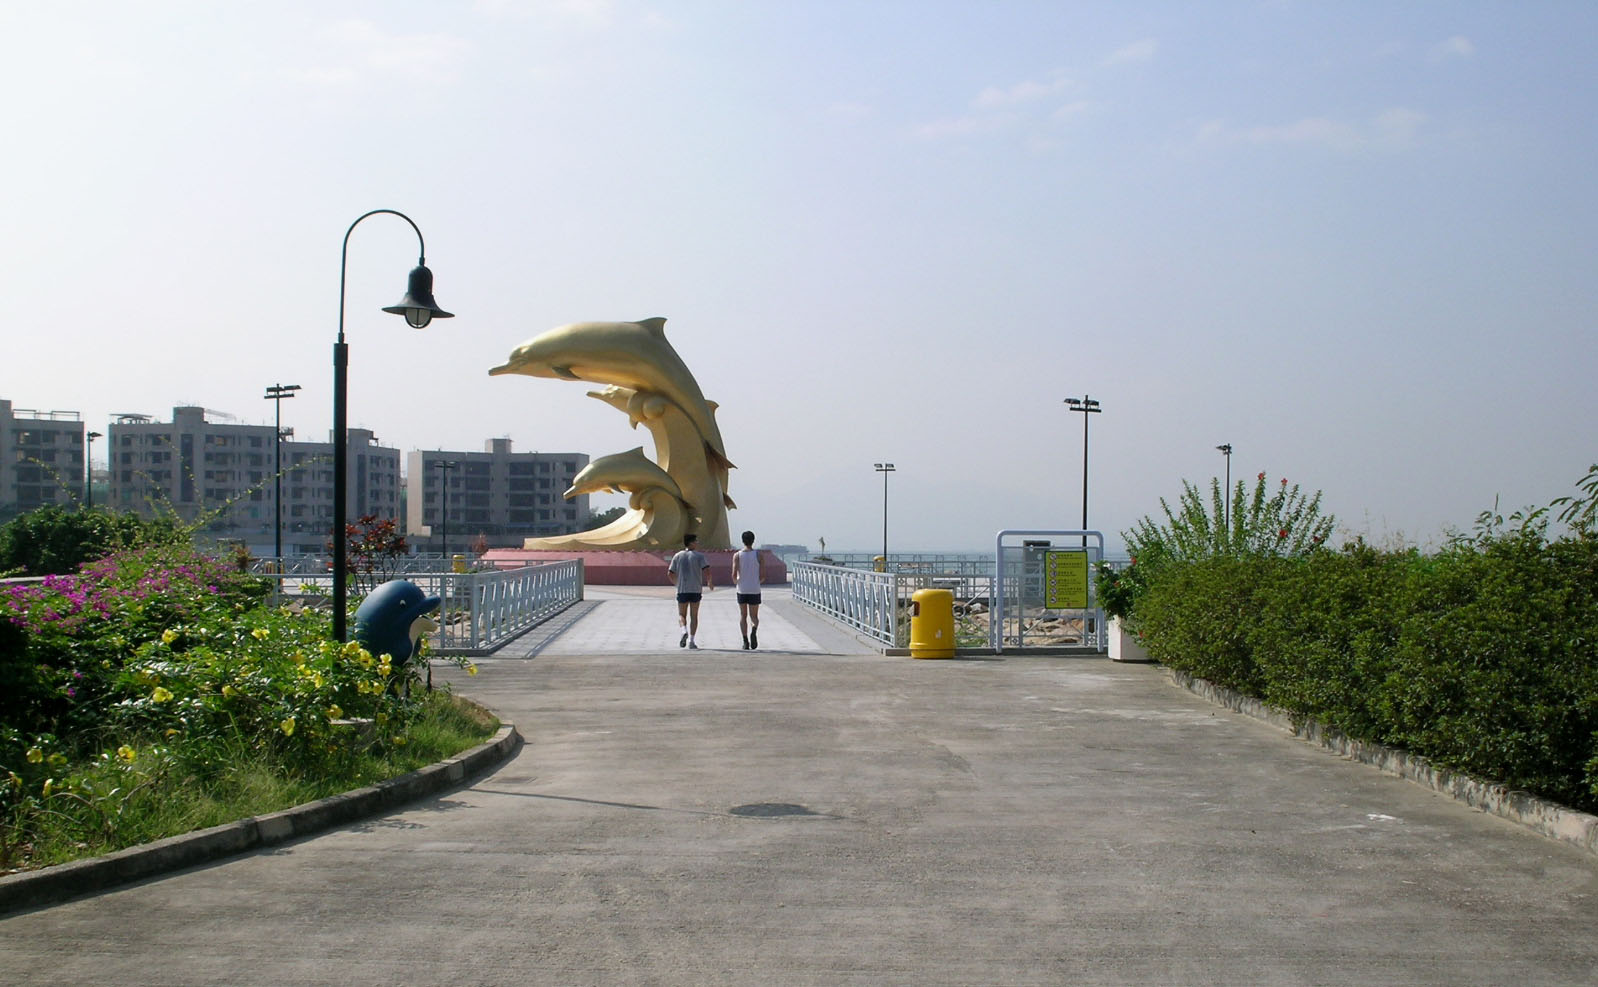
x,y
1355,240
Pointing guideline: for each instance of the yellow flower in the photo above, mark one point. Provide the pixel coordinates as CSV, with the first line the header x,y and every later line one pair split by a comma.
x,y
49,786
229,691
399,741
287,726
171,732
365,660
471,669
35,755
161,694
316,679
297,657
334,712
168,636
127,754
260,634
352,649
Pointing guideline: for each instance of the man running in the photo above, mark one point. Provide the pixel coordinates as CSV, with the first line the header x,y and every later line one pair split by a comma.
x,y
688,571
748,572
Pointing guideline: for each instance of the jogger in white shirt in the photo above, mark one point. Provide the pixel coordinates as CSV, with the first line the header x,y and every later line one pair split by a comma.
x,y
748,572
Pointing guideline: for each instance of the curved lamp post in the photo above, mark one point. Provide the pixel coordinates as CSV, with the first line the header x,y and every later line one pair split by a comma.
x,y
419,309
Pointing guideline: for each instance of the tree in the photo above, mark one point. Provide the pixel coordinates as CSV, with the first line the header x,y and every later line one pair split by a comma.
x,y
55,541
604,517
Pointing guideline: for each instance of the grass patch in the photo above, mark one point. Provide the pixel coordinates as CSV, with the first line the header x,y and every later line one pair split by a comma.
x,y
160,795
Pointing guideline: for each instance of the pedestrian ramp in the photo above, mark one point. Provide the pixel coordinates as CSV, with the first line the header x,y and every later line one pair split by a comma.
x,y
643,620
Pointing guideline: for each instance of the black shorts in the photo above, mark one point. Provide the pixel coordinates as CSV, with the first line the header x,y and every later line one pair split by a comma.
x,y
750,598
689,597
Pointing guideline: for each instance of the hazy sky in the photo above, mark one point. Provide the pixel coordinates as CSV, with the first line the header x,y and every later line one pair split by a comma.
x,y
1356,240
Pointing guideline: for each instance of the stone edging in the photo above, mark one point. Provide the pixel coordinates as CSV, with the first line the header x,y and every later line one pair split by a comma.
x,y
49,885
1547,818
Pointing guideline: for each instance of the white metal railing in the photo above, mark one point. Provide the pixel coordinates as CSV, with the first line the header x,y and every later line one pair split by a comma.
x,y
479,611
483,610
1004,591
321,565
867,601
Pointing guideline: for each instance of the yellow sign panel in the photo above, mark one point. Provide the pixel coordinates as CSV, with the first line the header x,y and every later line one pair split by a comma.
x,y
1065,580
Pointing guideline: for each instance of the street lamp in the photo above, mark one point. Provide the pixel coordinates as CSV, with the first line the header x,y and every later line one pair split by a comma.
x,y
884,469
419,309
443,514
277,392
1087,406
88,471
1225,449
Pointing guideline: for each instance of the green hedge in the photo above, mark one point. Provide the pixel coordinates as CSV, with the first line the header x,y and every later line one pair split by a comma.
x,y
1482,657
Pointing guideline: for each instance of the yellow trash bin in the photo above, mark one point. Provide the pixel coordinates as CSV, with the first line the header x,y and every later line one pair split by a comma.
x,y
458,564
932,623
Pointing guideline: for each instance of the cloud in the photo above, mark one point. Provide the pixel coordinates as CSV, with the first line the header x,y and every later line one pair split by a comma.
x,y
1137,51
1391,129
588,13
362,48
1001,108
969,125
1022,92
1458,46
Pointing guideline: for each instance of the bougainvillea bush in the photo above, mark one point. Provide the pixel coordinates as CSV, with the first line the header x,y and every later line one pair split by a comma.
x,y
157,667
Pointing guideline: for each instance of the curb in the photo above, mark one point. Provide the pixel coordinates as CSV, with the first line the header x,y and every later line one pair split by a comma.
x,y
1546,818
51,885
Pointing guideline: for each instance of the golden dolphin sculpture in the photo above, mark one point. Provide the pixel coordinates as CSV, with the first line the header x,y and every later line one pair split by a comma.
x,y
652,385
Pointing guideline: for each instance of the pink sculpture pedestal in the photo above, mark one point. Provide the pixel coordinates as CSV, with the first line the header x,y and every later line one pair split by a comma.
x,y
634,568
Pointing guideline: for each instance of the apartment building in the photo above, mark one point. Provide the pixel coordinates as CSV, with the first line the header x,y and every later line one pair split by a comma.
x,y
497,496
41,459
221,474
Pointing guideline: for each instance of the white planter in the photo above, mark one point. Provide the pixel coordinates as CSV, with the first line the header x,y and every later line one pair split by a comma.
x,y
1124,645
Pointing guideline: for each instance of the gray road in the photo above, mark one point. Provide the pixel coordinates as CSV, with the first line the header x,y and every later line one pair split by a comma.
x,y
816,814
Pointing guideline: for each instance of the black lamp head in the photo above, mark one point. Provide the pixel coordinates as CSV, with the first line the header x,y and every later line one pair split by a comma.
x,y
418,306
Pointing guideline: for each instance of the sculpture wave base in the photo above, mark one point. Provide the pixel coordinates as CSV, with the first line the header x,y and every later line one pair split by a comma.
x,y
636,568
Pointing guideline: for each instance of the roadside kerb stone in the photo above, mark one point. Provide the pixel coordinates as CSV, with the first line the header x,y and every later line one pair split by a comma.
x,y
1523,808
64,881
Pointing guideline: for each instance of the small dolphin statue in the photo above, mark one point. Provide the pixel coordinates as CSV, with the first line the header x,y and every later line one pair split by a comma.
x,y
393,617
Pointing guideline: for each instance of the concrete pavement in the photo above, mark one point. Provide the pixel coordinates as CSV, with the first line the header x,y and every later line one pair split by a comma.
x,y
817,813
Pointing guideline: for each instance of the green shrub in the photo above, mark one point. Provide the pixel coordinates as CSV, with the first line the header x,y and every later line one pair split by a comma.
x,y
54,541
1482,657
156,667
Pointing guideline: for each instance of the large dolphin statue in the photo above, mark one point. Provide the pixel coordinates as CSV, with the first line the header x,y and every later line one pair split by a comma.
x,y
703,483
651,385
628,354
657,518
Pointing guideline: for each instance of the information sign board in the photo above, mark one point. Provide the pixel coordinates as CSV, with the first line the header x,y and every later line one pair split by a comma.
x,y
1065,580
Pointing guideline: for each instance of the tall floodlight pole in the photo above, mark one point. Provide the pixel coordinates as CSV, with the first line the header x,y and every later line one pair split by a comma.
x,y
419,309
443,515
88,470
1225,449
276,393
884,469
1087,406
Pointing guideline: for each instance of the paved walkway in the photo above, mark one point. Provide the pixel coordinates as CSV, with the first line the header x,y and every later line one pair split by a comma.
x,y
817,813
